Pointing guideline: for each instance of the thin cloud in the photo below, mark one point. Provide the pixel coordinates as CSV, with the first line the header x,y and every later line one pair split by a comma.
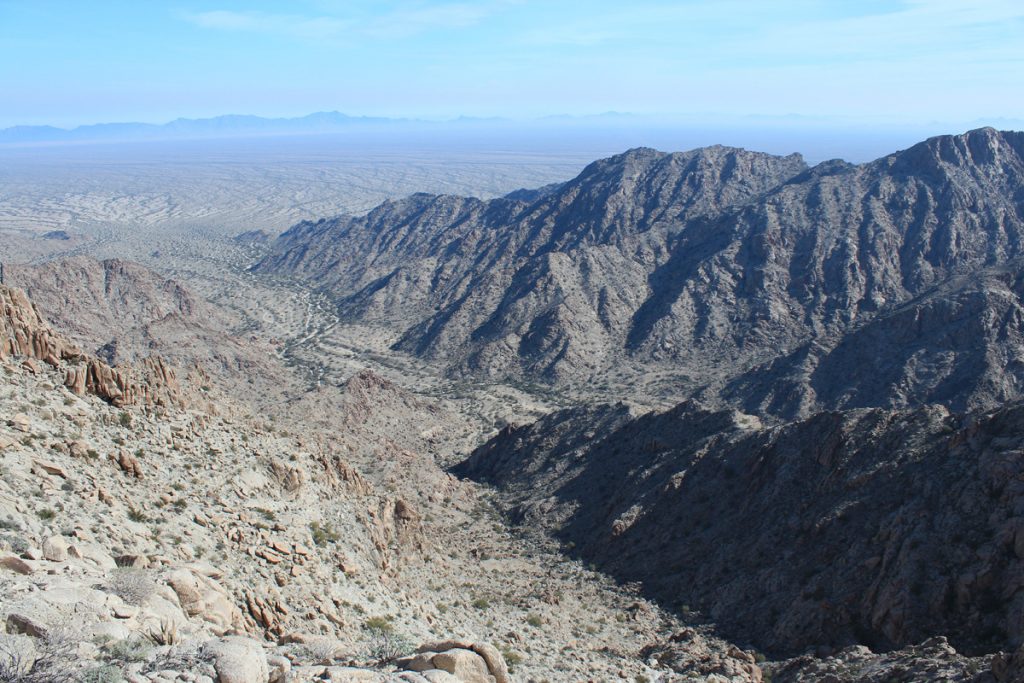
x,y
314,28
405,21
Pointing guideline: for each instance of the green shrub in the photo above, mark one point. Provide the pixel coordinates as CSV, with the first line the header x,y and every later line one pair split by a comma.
x,y
513,659
378,624
323,534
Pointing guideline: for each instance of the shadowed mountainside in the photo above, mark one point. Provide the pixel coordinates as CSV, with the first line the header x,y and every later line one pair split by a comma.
x,y
878,527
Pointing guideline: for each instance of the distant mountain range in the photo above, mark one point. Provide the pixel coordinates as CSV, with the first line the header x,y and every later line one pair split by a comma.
x,y
799,129
231,125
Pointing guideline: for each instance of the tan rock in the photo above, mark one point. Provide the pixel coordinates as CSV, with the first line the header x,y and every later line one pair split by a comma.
x,y
465,665
349,674
280,667
92,553
23,623
21,422
202,597
46,467
55,549
237,659
129,464
133,561
439,676
420,662
496,662
78,448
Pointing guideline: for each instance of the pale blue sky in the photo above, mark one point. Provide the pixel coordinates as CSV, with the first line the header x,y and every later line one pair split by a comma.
x,y
74,62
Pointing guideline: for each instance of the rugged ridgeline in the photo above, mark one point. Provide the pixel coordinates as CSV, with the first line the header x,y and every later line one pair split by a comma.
x,y
125,313
109,304
545,283
749,275
24,334
877,527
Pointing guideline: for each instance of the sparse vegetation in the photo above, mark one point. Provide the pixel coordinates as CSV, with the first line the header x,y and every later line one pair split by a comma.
x,y
385,646
134,586
128,651
137,515
323,534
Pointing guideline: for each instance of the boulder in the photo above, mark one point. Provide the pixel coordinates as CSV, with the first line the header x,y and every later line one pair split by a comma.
x,y
201,597
440,676
279,668
92,553
465,665
16,564
237,659
78,448
21,422
494,660
55,549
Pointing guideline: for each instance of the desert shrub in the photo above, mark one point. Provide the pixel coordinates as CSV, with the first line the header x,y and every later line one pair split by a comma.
x,y
134,586
181,657
164,634
385,646
108,673
51,659
378,624
128,651
513,659
323,533
320,651
137,515
17,544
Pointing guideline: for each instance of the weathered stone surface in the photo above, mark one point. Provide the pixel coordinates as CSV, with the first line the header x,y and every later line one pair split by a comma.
x,y
465,665
202,597
55,549
239,660
15,564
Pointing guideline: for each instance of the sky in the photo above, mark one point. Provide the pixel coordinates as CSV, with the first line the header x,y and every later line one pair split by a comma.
x,y
884,61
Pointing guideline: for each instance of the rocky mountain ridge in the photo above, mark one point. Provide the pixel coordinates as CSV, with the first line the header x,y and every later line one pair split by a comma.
x,y
24,334
719,267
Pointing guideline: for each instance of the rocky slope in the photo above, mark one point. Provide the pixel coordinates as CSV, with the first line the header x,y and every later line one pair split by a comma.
x,y
23,333
738,273
183,544
871,527
543,285
125,313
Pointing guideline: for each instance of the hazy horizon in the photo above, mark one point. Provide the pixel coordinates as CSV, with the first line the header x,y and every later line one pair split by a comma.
x,y
880,62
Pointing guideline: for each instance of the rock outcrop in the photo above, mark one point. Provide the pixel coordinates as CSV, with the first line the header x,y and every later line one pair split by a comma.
x,y
873,527
23,333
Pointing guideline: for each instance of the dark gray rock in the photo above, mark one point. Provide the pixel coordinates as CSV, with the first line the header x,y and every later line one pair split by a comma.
x,y
875,527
